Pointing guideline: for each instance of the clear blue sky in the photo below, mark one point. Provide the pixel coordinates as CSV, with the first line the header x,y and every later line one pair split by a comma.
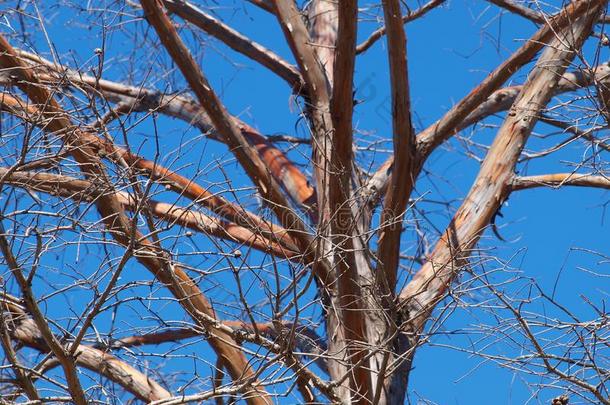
x,y
450,51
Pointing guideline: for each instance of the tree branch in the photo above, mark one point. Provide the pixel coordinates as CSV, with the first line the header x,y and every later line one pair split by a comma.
x,y
322,19
300,43
237,41
253,224
444,128
266,5
85,191
533,15
403,180
340,196
25,331
557,180
22,377
495,177
410,16
244,152
66,360
290,177
305,339
318,90
120,227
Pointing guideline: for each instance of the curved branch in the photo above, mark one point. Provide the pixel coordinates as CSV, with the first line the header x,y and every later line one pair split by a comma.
x,y
58,123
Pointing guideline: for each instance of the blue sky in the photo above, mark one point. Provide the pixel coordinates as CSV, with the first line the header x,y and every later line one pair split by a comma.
x,y
450,51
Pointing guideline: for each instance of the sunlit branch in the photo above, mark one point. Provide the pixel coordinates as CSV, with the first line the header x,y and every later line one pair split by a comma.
x,y
322,18
245,153
444,128
557,180
305,339
527,12
318,90
22,374
438,132
341,198
298,38
576,133
495,177
266,5
402,180
186,187
40,322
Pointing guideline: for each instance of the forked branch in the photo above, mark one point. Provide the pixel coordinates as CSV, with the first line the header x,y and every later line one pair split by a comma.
x,y
495,177
449,124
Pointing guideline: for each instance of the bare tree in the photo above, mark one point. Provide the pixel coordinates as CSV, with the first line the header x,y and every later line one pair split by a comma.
x,y
280,268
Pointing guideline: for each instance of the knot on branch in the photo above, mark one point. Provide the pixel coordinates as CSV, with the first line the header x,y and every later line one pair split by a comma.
x,y
560,400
